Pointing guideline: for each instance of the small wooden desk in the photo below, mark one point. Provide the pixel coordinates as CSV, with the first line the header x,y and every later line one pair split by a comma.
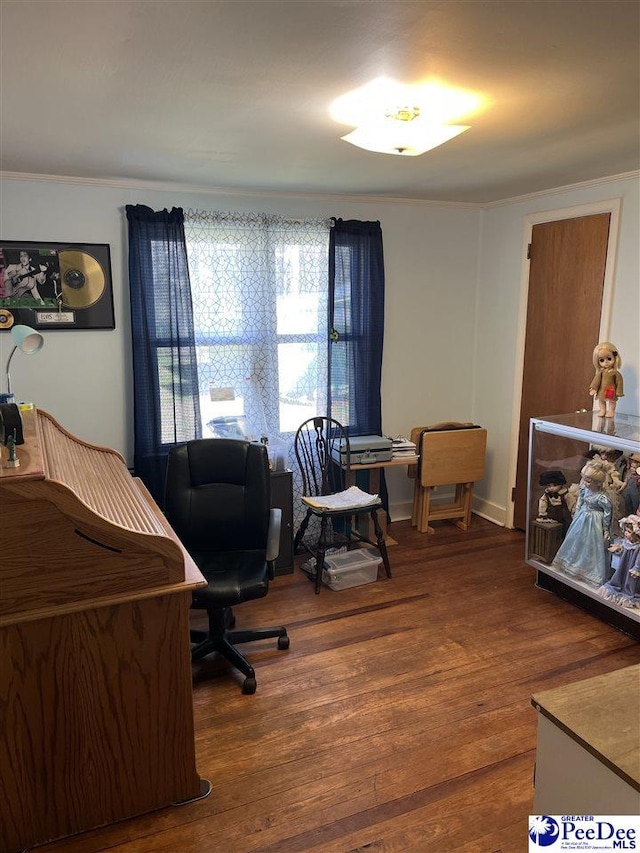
x,y
373,469
588,751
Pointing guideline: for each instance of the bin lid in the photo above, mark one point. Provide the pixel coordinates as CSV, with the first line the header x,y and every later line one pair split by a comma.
x,y
349,560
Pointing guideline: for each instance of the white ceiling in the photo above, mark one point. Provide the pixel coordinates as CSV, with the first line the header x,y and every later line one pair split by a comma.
x,y
235,94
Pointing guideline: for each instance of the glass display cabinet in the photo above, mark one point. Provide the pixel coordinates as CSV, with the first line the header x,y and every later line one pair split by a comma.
x,y
570,530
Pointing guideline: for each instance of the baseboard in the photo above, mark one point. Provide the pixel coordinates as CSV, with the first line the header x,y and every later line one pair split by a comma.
x,y
490,511
401,511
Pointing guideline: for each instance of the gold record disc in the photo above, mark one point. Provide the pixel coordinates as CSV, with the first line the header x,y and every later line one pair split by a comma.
x,y
6,319
81,278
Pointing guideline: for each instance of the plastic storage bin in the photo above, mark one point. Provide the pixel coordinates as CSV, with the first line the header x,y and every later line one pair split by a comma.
x,y
351,568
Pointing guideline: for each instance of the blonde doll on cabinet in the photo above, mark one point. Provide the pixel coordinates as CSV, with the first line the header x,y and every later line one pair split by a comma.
x,y
606,386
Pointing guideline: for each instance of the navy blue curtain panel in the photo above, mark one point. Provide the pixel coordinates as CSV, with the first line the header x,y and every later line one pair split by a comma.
x,y
356,319
166,402
356,324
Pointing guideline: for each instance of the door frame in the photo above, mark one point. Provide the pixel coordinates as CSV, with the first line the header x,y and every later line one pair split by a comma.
x,y
611,206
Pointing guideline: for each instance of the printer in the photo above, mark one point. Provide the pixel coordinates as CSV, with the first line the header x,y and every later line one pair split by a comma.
x,y
365,449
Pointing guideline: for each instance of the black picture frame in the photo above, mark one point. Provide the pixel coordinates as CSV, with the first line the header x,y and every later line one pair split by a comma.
x,y
59,285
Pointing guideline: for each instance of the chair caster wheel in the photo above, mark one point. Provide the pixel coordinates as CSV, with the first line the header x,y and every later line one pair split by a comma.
x,y
249,686
283,643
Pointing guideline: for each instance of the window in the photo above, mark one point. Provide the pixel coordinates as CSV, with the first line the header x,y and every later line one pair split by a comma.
x,y
259,288
230,314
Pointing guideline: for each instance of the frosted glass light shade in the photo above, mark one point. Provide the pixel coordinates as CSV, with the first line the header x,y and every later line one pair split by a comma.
x,y
406,138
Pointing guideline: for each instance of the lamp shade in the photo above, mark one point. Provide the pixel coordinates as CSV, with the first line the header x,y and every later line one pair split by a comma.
x,y
27,339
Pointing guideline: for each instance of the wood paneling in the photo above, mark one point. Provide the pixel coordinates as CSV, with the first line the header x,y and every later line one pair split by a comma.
x,y
400,719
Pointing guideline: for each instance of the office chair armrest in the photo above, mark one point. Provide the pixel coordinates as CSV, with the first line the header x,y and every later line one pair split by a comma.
x,y
273,540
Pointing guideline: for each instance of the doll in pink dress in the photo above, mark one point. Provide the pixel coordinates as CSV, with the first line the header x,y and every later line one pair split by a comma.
x,y
606,386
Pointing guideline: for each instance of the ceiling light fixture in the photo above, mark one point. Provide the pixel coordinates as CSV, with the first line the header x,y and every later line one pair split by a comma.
x,y
405,120
404,133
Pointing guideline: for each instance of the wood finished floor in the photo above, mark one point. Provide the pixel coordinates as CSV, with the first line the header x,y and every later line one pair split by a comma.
x,y
399,721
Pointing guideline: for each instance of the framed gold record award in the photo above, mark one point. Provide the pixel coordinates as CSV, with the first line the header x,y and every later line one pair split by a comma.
x,y
55,285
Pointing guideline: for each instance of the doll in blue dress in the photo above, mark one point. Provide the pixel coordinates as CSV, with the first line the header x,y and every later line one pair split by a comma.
x,y
631,485
624,586
584,552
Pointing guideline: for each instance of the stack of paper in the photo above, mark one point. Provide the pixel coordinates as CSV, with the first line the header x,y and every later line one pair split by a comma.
x,y
402,445
352,498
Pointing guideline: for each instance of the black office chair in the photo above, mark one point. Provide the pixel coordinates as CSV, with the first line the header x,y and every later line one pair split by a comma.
x,y
323,453
217,499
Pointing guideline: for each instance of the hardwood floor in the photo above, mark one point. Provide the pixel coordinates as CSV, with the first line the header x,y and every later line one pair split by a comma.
x,y
399,721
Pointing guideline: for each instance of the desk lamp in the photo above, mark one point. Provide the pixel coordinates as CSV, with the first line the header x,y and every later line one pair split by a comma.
x,y
28,341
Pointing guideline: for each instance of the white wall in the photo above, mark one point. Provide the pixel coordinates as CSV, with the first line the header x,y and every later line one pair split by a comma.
x,y
84,378
454,281
501,289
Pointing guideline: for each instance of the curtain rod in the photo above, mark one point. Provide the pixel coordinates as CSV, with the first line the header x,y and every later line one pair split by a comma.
x,y
211,215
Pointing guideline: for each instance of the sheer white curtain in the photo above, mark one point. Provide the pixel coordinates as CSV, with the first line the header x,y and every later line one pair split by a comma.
x,y
260,306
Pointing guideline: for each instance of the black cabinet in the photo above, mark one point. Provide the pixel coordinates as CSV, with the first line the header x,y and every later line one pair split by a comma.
x,y
282,498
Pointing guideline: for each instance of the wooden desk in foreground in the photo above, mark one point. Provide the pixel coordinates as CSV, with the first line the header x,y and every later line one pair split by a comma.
x,y
588,752
96,710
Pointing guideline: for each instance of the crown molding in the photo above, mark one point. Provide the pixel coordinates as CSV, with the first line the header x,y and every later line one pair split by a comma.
x,y
595,182
169,186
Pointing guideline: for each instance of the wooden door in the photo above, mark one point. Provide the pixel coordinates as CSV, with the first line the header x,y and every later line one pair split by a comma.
x,y
564,306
